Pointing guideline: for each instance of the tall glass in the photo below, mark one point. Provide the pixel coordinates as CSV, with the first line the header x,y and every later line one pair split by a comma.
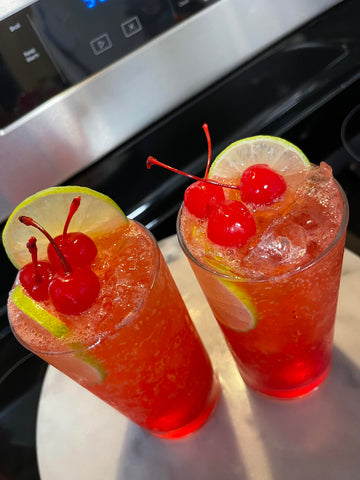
x,y
286,352
137,351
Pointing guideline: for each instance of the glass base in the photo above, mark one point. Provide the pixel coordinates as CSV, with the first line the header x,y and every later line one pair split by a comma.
x,y
195,424
293,393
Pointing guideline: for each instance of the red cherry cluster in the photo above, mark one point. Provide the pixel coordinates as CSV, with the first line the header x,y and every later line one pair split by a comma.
x,y
230,222
66,279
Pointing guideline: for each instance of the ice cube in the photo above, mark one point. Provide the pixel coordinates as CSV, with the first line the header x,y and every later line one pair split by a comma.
x,y
319,186
318,207
282,247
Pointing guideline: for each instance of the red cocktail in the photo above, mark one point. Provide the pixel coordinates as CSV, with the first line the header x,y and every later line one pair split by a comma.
x,y
271,273
135,347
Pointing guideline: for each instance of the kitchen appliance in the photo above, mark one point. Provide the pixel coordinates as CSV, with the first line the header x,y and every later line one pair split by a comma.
x,y
129,81
79,78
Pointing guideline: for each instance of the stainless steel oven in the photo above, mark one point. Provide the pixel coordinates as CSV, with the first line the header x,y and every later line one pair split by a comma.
x,y
90,88
81,77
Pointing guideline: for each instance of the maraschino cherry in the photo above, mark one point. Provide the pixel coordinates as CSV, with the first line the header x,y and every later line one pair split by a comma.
x,y
261,185
36,276
71,290
74,292
230,224
77,248
200,196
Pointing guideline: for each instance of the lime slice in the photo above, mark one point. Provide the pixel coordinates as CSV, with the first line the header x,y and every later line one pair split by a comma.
x,y
279,154
84,367
236,310
97,214
35,311
232,305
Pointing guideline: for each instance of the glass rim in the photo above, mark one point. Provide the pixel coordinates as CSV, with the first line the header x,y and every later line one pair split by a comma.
x,y
302,268
118,326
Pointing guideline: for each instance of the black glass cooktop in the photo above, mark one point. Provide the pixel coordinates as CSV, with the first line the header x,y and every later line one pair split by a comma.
x,y
305,89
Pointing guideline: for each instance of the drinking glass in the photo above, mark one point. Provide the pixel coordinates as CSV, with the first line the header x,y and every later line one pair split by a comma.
x,y
150,364
279,330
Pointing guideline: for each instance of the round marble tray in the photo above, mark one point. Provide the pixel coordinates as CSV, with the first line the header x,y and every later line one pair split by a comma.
x,y
249,436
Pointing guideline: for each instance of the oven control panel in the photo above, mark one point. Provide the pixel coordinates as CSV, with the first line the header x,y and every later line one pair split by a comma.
x,y
53,44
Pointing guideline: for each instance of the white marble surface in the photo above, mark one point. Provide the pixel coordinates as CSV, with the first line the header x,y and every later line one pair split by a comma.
x,y
249,437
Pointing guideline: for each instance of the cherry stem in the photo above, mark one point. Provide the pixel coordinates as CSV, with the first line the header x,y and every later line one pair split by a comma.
x,y
72,210
207,134
28,221
31,246
153,161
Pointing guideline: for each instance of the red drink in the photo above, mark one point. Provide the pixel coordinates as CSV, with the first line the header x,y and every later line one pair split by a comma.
x,y
136,346
275,296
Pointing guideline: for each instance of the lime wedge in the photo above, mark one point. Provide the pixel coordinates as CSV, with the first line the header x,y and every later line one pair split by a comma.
x,y
237,310
35,311
84,367
281,155
98,214
232,305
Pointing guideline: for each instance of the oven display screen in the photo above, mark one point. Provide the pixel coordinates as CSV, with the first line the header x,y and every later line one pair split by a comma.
x,y
93,3
51,44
